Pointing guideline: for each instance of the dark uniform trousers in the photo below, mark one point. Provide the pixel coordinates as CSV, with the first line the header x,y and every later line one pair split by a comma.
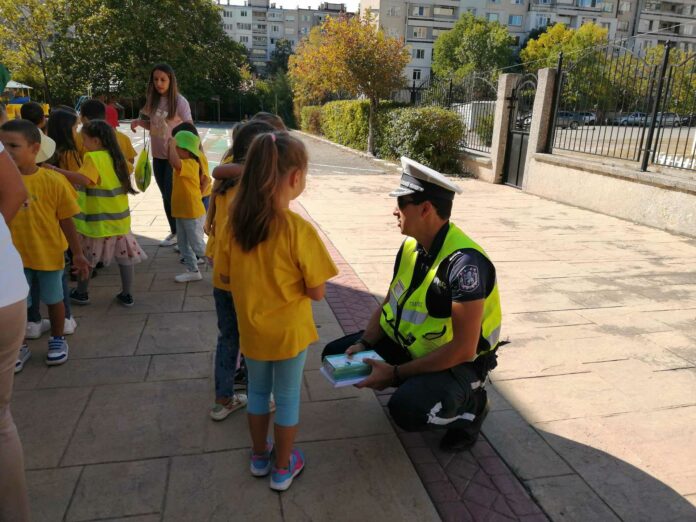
x,y
435,400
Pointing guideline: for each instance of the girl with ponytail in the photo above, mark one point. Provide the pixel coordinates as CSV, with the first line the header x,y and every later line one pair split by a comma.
x,y
275,264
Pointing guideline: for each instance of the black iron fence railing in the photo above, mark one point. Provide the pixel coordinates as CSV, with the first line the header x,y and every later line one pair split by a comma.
x,y
628,103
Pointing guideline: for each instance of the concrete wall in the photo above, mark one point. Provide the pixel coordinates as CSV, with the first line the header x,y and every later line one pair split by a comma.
x,y
479,166
656,200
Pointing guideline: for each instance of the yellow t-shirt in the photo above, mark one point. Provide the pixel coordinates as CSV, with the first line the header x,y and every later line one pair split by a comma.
x,y
70,160
268,286
220,235
36,231
124,143
79,143
89,169
186,191
205,169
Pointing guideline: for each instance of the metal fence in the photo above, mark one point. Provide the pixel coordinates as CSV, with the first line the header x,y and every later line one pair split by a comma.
x,y
628,102
472,98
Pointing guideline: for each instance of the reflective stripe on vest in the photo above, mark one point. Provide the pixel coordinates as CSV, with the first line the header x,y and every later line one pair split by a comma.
x,y
104,207
405,317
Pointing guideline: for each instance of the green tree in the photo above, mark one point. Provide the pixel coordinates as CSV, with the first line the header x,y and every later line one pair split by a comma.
x,y
473,45
26,28
280,56
350,55
574,43
113,44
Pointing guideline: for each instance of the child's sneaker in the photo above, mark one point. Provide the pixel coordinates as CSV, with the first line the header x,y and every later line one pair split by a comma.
x,y
22,358
189,275
281,478
70,326
220,411
260,465
57,351
37,329
79,298
169,240
199,260
125,300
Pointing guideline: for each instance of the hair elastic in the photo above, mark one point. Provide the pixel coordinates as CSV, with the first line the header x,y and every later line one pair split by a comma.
x,y
273,137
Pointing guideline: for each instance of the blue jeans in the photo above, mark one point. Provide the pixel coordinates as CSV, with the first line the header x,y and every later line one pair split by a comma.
x,y
227,349
190,241
284,379
163,176
34,309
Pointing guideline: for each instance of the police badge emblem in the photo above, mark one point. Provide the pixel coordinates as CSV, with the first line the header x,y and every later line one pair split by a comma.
x,y
468,278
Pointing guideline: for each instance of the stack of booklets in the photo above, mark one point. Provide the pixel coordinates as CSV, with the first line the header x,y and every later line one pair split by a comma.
x,y
342,370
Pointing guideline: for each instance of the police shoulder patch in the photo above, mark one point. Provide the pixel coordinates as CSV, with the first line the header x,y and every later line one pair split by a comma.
x,y
468,278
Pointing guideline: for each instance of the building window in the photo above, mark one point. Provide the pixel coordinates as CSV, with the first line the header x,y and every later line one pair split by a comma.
x,y
416,74
515,20
622,25
443,11
608,7
244,27
586,3
437,31
417,10
289,30
394,11
305,18
492,17
517,2
243,39
275,28
471,10
420,32
516,40
243,13
419,54
624,7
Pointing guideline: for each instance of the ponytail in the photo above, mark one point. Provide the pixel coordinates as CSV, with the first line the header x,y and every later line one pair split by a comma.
x,y
106,134
270,158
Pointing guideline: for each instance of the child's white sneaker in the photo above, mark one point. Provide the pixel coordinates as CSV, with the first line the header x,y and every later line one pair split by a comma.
x,y
169,240
22,358
220,411
70,326
57,351
189,275
37,329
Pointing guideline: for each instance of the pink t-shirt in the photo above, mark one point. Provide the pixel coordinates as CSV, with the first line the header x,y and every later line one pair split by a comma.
x,y
161,127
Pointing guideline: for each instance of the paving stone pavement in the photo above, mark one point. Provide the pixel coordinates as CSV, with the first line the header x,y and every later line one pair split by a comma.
x,y
595,396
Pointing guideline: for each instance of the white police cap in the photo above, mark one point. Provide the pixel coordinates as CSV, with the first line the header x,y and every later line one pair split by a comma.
x,y
417,178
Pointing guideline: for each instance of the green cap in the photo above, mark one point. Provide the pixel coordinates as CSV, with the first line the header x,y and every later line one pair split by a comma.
x,y
188,141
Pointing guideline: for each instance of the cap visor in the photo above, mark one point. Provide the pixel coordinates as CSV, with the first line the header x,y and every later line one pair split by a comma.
x,y
401,191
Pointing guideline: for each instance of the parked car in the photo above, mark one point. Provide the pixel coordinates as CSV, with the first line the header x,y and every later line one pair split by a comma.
x,y
566,119
588,118
667,119
635,118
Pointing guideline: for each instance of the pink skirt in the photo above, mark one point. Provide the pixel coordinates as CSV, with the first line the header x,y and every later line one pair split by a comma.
x,y
124,249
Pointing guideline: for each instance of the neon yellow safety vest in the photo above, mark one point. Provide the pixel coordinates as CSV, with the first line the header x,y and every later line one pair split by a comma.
x,y
104,207
405,317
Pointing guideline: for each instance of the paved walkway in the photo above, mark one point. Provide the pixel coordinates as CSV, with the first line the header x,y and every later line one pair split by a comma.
x,y
596,394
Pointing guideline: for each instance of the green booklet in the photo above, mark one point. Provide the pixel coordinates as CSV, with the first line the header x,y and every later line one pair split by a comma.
x,y
342,370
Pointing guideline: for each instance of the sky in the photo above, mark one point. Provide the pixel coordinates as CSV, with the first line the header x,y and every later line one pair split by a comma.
x,y
351,5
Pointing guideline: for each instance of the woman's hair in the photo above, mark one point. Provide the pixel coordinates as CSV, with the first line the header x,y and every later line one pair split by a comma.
x,y
243,136
60,130
185,126
273,119
106,134
153,97
271,157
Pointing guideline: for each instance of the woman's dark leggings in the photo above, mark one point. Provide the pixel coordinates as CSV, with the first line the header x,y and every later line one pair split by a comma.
x,y
163,177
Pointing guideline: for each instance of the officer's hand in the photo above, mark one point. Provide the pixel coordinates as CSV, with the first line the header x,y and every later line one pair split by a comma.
x,y
382,375
355,348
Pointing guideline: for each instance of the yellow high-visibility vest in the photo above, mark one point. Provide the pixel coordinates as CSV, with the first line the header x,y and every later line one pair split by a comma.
x,y
405,317
104,207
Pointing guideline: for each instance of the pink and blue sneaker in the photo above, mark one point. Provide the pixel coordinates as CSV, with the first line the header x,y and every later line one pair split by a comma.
x,y
281,478
260,465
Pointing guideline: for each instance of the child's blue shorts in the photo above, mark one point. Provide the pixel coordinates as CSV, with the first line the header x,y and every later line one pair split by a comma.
x,y
50,284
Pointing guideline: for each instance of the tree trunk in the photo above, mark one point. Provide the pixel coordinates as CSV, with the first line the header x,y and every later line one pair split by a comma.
x,y
42,66
371,127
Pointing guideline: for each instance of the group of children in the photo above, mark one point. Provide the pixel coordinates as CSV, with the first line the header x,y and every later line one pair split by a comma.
x,y
268,263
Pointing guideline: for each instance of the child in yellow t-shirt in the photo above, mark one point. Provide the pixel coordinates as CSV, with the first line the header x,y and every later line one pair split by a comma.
x,y
62,128
94,109
39,232
206,183
227,351
275,264
187,205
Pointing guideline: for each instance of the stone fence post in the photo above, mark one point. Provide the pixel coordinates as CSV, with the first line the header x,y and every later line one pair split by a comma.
x,y
542,112
506,83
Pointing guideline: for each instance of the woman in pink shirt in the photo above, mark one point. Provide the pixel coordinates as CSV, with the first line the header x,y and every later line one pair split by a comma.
x,y
165,109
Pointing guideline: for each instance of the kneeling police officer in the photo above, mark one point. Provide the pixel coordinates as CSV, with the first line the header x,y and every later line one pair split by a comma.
x,y
439,326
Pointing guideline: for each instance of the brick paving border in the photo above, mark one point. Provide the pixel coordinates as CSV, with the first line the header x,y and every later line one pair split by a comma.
x,y
473,485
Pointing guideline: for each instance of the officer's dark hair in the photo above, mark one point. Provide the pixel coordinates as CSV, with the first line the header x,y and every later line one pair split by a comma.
x,y
442,206
93,109
33,112
26,128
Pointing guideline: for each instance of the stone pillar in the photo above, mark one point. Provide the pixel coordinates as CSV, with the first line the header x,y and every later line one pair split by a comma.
x,y
506,83
541,124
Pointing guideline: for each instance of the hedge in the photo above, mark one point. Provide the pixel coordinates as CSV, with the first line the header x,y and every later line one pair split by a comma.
x,y
310,119
429,135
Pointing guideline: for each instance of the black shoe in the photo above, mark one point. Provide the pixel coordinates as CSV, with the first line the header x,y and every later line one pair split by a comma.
x,y
79,298
93,274
99,265
460,439
125,299
240,381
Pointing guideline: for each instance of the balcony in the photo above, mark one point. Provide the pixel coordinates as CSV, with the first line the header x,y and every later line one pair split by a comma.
x,y
542,5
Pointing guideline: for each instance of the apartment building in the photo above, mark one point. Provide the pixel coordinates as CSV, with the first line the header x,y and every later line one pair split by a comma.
x,y
674,21
259,24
